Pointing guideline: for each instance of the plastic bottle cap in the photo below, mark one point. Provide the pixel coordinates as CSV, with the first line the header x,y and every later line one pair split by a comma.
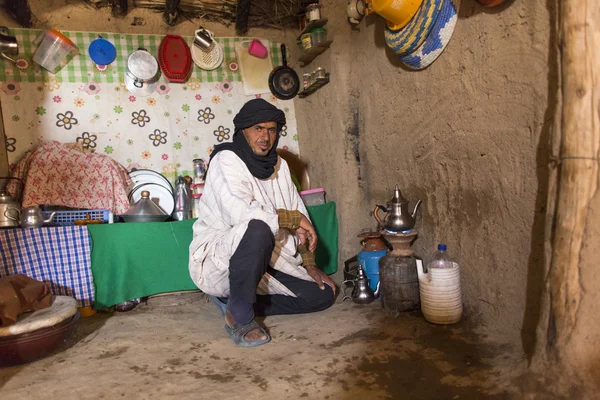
x,y
442,247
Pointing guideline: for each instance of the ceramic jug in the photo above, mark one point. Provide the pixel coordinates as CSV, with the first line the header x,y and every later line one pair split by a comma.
x,y
31,217
440,292
398,218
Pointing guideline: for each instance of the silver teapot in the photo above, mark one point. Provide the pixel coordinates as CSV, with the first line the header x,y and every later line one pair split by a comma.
x,y
10,208
398,218
361,292
31,217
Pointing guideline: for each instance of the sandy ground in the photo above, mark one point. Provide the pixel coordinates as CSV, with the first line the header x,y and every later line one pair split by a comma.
x,y
175,347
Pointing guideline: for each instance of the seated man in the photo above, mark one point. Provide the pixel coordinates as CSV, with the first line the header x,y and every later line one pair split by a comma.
x,y
253,242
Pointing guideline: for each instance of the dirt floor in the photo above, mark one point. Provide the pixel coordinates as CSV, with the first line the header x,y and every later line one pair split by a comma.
x,y
175,347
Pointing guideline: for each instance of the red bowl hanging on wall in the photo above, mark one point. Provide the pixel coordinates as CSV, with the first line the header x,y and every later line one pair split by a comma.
x,y
175,59
490,3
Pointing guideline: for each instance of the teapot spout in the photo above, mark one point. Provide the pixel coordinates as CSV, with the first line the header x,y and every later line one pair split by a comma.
x,y
377,293
416,210
47,221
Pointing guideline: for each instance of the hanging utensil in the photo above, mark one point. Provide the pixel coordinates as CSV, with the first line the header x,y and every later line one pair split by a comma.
x,y
283,80
9,47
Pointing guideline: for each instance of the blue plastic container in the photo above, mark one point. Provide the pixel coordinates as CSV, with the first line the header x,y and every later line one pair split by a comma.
x,y
370,262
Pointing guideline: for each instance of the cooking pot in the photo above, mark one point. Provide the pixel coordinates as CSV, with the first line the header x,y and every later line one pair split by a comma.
x,y
10,208
142,72
145,210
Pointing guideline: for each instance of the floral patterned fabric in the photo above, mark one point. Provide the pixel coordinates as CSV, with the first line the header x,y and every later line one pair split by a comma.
x,y
164,131
58,174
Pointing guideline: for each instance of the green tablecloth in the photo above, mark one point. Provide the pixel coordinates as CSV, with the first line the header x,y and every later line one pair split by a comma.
x,y
131,260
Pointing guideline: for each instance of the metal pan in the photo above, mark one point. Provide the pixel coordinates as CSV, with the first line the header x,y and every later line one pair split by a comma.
x,y
283,81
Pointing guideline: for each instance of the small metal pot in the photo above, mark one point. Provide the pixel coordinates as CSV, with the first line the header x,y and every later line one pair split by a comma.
x,y
142,73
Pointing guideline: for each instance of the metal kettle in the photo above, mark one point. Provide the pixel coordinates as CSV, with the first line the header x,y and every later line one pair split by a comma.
x,y
31,217
10,208
398,218
361,293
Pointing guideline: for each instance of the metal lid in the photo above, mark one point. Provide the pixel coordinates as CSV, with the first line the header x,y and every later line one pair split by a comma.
x,y
145,207
142,65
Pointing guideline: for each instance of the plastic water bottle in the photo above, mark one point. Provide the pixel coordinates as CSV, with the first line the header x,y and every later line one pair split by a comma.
x,y
441,258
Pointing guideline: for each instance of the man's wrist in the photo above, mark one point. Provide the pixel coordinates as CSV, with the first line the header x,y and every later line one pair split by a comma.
x,y
289,219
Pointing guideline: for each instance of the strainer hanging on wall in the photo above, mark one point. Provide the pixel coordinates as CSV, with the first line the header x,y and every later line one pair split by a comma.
x,y
206,52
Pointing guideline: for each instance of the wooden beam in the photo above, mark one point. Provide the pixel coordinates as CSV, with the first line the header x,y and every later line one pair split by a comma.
x,y
171,11
242,15
119,8
20,11
579,167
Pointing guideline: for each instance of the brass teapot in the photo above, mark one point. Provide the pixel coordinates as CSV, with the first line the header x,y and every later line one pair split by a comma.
x,y
398,218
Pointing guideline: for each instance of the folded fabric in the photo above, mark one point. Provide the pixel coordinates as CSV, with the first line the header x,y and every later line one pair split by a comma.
x,y
20,294
58,174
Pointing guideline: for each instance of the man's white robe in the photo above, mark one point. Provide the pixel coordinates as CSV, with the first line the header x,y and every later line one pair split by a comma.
x,y
232,197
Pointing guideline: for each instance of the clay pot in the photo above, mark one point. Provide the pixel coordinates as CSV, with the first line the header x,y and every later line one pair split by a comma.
x,y
490,3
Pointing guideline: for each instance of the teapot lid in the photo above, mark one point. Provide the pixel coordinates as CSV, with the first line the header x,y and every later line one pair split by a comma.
x,y
398,198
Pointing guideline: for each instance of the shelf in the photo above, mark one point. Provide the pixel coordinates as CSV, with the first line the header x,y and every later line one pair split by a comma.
x,y
313,25
313,88
313,52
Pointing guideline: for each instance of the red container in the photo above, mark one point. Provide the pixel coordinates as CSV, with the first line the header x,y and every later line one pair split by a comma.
x,y
175,58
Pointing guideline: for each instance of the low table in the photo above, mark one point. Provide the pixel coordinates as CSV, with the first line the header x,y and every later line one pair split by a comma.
x,y
110,263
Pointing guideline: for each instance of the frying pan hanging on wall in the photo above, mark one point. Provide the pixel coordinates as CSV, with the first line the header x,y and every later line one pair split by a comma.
x,y
283,81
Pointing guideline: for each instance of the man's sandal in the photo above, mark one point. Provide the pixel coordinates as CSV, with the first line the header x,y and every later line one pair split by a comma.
x,y
237,332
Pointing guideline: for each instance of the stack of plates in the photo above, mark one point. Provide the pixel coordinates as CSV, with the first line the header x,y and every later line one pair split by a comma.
x,y
161,190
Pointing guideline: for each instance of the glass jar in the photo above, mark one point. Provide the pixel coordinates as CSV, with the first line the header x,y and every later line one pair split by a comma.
x,y
199,168
196,205
319,73
318,36
313,12
306,79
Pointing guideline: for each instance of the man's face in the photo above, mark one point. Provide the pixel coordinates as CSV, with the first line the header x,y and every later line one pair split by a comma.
x,y
261,137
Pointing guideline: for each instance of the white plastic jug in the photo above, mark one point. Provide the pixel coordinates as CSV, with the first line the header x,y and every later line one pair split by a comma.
x,y
54,50
441,298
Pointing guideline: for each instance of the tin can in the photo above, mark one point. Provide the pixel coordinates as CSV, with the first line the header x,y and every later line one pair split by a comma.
x,y
319,73
306,41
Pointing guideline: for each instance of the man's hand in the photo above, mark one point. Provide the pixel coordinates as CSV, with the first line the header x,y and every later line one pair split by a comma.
x,y
320,277
307,231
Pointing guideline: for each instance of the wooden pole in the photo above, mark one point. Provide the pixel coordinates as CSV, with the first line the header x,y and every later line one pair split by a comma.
x,y
119,8
21,11
578,176
242,16
171,11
